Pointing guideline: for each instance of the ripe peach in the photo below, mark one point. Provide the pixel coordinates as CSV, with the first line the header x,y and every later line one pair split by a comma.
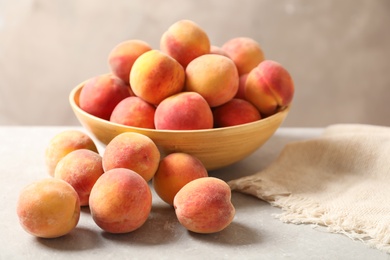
x,y
134,111
241,86
120,201
64,143
183,111
101,94
122,57
133,151
218,50
213,76
235,112
156,76
269,87
204,205
176,170
48,208
245,52
80,168
185,41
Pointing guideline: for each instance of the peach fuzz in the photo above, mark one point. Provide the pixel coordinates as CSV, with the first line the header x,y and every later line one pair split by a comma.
x,y
81,169
213,76
156,76
245,52
120,201
176,170
101,94
183,111
48,208
269,87
133,151
63,143
204,205
122,57
134,111
184,41
235,112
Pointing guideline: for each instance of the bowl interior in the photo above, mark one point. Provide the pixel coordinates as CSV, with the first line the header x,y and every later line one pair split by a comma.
x,y
216,148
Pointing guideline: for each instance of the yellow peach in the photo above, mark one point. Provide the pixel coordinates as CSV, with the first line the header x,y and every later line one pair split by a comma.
x,y
183,111
156,76
101,94
235,112
133,151
120,201
204,205
134,111
122,57
80,168
63,143
48,208
184,41
213,76
270,87
245,52
176,170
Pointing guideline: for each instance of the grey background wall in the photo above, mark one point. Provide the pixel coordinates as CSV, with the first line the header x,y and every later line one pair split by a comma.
x,y
338,52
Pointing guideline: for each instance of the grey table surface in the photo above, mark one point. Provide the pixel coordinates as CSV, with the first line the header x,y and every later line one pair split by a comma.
x,y
255,232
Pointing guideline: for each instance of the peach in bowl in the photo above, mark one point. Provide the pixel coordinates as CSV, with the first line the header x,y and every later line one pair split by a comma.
x,y
215,147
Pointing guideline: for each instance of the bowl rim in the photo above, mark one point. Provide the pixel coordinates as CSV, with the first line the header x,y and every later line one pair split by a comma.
x,y
75,105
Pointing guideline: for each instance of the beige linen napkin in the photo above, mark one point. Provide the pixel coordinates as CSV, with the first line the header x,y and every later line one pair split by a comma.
x,y
340,180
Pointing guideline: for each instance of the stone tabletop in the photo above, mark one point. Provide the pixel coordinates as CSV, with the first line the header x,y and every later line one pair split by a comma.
x,y
255,232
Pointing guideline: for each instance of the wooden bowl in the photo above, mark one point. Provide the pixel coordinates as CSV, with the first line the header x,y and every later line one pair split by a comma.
x,y
216,147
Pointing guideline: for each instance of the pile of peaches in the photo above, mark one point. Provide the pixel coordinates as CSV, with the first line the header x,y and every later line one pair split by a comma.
x,y
115,187
186,85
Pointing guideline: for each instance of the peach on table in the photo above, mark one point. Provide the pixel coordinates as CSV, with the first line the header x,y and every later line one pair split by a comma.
x,y
204,205
132,151
63,143
120,201
48,208
174,171
80,168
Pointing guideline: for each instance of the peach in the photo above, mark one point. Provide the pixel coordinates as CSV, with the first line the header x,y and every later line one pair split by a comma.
x,y
235,112
183,111
48,208
101,94
204,205
184,41
156,76
269,87
133,151
176,170
218,50
120,201
245,52
81,169
134,111
213,76
63,143
122,57
241,86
